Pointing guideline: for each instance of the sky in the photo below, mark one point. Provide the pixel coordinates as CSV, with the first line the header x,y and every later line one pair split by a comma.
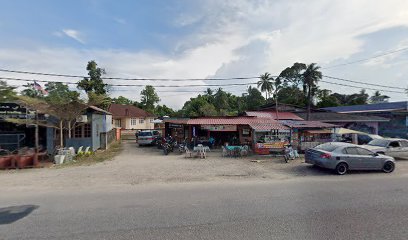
x,y
205,39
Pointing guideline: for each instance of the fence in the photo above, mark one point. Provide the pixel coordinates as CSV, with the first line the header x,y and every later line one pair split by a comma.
x,y
11,142
107,138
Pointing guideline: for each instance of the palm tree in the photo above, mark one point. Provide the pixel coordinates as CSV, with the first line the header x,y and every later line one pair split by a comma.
x,y
378,97
310,78
265,83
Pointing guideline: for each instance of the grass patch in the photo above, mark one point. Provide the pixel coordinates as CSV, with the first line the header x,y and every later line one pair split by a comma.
x,y
98,156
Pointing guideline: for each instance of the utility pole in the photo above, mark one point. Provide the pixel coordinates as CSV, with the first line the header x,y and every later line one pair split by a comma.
x,y
36,139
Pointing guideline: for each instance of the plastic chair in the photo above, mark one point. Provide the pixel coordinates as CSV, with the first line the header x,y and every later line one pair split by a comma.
x,y
79,152
188,153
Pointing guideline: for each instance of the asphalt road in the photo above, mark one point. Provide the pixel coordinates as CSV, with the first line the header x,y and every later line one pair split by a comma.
x,y
332,207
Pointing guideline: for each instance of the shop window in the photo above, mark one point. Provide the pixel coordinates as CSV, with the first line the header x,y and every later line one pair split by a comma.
x,y
133,121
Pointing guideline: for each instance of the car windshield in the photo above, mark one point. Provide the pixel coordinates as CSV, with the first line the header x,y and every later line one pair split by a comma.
x,y
144,134
328,147
379,143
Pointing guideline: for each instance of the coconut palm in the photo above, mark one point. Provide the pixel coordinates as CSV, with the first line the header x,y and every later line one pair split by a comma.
x,y
310,78
265,83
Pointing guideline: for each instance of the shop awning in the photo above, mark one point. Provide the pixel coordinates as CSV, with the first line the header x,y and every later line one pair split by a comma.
x,y
266,127
349,131
320,131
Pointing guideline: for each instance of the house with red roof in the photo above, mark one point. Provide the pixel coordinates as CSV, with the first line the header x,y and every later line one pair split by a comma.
x,y
130,117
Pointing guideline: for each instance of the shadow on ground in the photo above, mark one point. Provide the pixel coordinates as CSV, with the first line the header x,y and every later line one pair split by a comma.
x,y
14,213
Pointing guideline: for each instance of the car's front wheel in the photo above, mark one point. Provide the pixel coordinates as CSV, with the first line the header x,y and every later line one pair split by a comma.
x,y
388,167
341,168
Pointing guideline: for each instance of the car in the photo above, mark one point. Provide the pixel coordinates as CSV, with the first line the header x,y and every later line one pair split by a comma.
x,y
362,138
147,137
394,147
341,157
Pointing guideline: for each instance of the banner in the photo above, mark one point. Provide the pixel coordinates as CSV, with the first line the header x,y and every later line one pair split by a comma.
x,y
220,128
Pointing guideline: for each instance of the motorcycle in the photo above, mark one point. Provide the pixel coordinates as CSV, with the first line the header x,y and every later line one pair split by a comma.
x,y
168,145
289,153
182,146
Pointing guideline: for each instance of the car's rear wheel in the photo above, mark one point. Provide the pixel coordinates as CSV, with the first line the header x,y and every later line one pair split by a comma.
x,y
341,168
388,167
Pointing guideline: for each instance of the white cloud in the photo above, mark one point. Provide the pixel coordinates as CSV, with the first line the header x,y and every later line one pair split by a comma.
x,y
74,34
240,38
120,21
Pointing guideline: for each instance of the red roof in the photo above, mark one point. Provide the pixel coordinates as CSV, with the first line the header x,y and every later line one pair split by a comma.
x,y
229,121
267,126
119,110
268,114
176,121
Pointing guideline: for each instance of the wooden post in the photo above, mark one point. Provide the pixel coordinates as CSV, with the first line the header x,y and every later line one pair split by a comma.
x,y
61,134
36,140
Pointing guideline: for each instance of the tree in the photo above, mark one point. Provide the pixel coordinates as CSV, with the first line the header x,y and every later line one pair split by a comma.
x,y
221,101
377,97
265,83
326,99
149,98
122,100
207,110
31,91
94,83
254,99
163,110
7,92
311,77
59,93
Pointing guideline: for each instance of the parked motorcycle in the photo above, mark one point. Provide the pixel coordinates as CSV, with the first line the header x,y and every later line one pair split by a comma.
x,y
168,145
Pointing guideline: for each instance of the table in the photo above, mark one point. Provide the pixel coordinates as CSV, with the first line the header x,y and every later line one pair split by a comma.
x,y
234,151
201,151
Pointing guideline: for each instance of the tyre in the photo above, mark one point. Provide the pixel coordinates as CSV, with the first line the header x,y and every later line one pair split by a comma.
x,y
388,167
341,168
165,151
286,158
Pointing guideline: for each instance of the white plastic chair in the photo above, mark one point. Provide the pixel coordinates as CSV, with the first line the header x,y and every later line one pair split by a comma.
x,y
80,150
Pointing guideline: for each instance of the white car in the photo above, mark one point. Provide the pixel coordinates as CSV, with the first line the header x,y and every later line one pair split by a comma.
x,y
394,147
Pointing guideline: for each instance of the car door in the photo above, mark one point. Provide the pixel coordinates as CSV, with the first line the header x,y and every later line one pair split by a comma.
x,y
394,149
368,160
404,148
352,158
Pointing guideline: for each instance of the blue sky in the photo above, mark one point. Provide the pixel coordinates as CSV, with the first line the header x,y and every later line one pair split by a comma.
x,y
205,38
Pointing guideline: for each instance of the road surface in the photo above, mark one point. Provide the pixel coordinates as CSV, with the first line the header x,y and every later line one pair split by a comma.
x,y
331,207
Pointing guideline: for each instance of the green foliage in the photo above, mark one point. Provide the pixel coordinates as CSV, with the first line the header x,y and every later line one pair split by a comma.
x,y
122,100
30,91
7,92
326,99
94,83
149,98
266,83
378,97
59,93
163,110
253,100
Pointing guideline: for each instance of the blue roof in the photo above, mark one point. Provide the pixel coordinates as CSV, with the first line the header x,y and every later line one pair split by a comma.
x,y
387,106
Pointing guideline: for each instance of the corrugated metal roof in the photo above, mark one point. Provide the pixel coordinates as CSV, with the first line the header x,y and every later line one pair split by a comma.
x,y
268,114
229,121
176,121
307,124
268,126
377,107
341,117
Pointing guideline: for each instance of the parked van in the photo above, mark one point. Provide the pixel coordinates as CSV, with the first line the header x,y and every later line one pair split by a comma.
x,y
147,137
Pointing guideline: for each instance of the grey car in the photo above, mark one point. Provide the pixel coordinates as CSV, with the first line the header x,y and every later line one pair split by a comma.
x,y
394,147
342,157
147,137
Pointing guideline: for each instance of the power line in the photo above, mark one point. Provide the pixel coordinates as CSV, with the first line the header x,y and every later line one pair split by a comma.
x,y
137,85
129,79
366,59
353,86
365,83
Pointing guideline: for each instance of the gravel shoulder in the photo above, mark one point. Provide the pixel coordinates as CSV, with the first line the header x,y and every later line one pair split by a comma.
x,y
141,165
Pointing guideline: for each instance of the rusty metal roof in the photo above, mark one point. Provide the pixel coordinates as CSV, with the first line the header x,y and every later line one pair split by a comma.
x,y
270,114
261,127
229,121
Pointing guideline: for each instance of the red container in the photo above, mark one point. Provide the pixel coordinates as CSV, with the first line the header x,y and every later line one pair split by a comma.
x,y
25,161
6,162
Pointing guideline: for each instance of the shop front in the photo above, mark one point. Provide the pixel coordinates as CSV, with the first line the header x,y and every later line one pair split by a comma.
x,y
270,138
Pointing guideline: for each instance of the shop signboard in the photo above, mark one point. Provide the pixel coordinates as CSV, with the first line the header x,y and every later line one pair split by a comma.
x,y
173,125
220,128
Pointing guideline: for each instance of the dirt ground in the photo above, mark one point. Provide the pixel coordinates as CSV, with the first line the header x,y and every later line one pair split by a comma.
x,y
140,165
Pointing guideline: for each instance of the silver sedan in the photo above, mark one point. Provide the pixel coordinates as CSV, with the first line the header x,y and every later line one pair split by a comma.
x,y
342,157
